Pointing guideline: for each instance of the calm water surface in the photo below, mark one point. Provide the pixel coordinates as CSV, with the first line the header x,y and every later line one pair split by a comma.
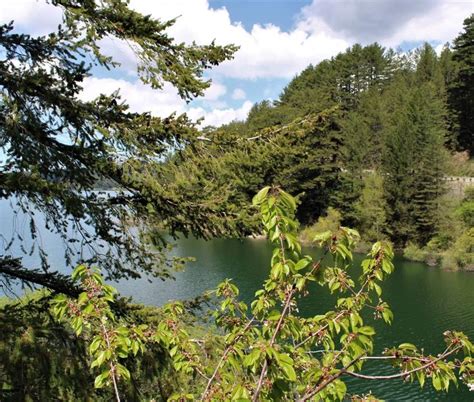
x,y
425,301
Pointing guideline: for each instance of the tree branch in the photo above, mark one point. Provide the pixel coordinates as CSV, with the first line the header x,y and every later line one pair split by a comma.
x,y
329,380
224,355
405,373
13,269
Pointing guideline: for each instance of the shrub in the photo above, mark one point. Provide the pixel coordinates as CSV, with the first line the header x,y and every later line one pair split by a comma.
x,y
461,254
414,253
331,222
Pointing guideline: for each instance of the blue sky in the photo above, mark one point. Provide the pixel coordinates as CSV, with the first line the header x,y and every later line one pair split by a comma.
x,y
282,13
277,39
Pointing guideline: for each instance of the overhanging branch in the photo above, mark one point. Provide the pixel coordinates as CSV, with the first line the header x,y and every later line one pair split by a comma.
x,y
13,269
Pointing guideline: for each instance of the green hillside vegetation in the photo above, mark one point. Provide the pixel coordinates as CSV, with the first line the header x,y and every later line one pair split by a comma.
x,y
370,133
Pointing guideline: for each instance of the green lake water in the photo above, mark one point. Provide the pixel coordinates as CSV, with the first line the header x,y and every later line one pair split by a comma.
x,y
425,301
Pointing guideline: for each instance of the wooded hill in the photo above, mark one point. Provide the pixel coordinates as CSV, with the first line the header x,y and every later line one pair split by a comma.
x,y
370,133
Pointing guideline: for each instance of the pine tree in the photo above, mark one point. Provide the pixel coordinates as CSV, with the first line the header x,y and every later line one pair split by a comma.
x,y
413,160
448,69
428,68
461,92
340,80
304,156
57,146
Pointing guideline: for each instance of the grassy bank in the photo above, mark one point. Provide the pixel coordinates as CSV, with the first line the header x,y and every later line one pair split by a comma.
x,y
451,249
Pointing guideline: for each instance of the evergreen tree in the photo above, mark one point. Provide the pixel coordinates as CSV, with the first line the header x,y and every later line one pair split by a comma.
x,y
428,67
340,80
447,65
371,208
413,160
304,156
265,114
363,132
312,91
57,146
448,69
461,93
311,163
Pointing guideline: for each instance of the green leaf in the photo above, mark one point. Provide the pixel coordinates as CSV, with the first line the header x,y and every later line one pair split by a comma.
x,y
286,364
437,384
135,347
288,199
123,371
378,289
387,315
421,378
83,298
100,358
407,346
95,344
387,266
260,196
369,331
354,320
322,237
252,358
274,315
78,272
300,283
101,378
240,394
343,251
289,372
303,263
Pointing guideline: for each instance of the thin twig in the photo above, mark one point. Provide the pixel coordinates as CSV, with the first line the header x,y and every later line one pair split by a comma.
x,y
329,380
405,373
311,336
224,355
112,365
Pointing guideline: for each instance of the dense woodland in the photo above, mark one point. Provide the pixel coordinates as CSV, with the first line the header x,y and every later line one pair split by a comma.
x,y
369,134
361,140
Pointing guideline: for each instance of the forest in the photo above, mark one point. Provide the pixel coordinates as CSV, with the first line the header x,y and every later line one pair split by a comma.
x,y
365,139
355,156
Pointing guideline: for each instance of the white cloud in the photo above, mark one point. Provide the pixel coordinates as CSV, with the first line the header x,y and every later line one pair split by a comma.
x,y
325,28
268,52
34,17
142,98
139,97
389,22
359,20
122,53
217,117
238,94
441,23
265,51
215,91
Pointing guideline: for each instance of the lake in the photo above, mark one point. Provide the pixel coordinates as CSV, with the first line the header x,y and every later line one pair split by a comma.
x,y
426,301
